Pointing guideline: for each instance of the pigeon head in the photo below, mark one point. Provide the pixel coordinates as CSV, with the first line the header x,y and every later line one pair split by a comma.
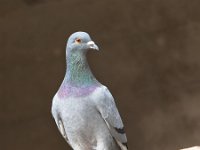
x,y
80,42
78,71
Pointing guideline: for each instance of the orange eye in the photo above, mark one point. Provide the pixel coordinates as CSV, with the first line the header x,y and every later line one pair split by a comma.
x,y
78,40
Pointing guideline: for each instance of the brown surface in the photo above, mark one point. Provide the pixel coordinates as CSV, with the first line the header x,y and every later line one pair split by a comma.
x,y
149,59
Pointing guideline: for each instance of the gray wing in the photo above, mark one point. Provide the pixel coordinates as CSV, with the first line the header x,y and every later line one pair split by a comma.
x,y
108,110
58,120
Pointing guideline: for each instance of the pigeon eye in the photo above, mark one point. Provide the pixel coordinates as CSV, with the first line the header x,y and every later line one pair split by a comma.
x,y
78,40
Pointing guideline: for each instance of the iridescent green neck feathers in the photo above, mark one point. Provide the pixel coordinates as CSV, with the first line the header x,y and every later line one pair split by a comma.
x,y
78,71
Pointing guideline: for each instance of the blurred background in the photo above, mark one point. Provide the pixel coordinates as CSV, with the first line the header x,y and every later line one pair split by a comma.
x,y
149,59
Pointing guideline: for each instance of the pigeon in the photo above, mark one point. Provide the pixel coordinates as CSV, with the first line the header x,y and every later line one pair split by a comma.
x,y
84,110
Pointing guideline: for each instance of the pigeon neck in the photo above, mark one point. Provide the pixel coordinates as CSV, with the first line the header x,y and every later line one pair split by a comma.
x,y
78,71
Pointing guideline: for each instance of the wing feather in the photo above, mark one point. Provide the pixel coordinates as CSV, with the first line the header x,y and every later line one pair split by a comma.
x,y
108,110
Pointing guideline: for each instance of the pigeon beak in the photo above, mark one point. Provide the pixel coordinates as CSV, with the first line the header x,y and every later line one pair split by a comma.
x,y
92,45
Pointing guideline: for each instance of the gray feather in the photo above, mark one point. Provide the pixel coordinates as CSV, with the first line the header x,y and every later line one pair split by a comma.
x,y
110,114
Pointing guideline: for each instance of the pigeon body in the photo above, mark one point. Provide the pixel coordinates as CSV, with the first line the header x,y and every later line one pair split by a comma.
x,y
83,109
